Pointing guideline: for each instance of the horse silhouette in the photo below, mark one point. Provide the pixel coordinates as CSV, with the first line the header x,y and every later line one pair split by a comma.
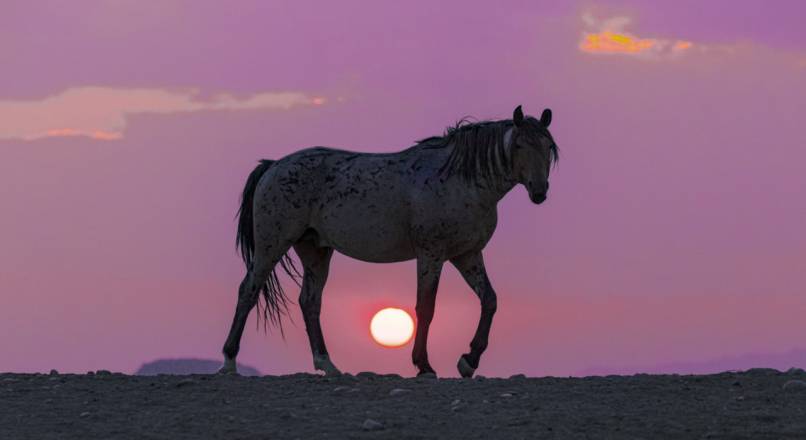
x,y
434,202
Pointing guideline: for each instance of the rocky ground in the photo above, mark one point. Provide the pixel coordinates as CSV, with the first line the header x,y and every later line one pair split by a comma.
x,y
757,404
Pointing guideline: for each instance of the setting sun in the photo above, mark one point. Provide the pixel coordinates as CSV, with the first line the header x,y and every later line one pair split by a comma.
x,y
391,327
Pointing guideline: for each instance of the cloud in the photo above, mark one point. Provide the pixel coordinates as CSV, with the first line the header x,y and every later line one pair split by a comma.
x,y
101,112
609,37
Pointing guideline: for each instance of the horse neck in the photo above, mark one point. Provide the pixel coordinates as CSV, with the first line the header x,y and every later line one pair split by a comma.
x,y
491,190
494,188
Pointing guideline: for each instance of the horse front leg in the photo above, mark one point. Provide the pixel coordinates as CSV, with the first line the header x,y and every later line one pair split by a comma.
x,y
471,266
428,273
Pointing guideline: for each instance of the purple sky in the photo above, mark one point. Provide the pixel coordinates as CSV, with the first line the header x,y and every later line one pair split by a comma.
x,y
673,231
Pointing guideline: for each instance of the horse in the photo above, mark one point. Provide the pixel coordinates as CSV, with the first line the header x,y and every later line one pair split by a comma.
x,y
434,202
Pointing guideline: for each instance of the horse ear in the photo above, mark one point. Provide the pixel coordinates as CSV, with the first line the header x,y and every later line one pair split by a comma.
x,y
545,118
517,116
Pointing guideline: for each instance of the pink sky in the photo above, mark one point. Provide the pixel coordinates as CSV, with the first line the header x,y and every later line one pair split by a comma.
x,y
673,231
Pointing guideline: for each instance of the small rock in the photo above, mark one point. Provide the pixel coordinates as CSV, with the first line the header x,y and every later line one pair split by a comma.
x,y
371,425
54,373
795,385
517,376
506,394
103,373
85,414
479,377
399,391
185,382
457,405
90,373
737,383
795,370
367,375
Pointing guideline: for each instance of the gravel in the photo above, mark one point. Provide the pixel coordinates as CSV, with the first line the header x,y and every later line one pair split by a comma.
x,y
766,404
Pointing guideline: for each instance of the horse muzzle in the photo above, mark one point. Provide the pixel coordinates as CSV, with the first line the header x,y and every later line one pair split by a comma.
x,y
537,198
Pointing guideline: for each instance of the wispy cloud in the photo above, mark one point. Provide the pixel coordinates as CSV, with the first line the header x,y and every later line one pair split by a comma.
x,y
101,112
609,36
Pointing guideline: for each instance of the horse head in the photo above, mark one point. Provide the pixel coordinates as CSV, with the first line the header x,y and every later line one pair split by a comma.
x,y
533,152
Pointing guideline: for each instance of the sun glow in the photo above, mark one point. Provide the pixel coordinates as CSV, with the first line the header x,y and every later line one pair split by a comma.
x,y
391,327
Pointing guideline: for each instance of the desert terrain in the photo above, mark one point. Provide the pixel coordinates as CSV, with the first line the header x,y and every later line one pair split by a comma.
x,y
755,404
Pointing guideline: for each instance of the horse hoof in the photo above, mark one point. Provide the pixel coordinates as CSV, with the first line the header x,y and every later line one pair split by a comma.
x,y
335,372
229,368
427,375
227,371
464,368
323,363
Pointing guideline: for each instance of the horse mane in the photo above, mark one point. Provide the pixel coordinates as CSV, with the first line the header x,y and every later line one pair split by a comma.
x,y
479,150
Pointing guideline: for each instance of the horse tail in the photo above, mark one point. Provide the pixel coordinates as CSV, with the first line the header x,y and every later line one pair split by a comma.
x,y
245,239
271,289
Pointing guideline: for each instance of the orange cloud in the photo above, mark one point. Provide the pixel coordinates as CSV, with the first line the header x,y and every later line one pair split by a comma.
x,y
682,45
101,112
609,42
66,132
611,38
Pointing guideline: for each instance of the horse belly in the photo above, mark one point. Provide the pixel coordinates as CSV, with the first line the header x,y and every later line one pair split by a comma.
x,y
366,231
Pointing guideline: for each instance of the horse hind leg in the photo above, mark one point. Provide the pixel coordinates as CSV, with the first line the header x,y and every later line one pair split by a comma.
x,y
262,268
247,298
316,265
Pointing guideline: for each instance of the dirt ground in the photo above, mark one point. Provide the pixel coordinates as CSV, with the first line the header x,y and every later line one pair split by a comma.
x,y
758,404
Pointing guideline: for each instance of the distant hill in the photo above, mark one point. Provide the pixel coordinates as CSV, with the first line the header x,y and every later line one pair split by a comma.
x,y
779,361
189,366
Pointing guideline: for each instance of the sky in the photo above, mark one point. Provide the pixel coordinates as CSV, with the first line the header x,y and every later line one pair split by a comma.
x,y
673,231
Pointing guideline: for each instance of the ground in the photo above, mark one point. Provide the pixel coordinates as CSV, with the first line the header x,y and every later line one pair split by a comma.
x,y
757,404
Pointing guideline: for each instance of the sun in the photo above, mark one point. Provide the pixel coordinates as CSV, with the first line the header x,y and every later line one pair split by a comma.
x,y
391,327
